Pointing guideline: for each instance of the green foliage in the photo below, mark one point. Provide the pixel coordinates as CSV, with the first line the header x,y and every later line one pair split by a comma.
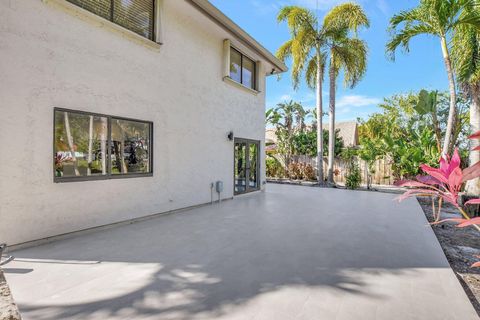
x,y
305,143
348,154
288,119
274,168
405,132
433,17
353,177
427,102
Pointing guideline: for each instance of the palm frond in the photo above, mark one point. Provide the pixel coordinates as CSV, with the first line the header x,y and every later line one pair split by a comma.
x,y
311,72
403,37
351,56
348,15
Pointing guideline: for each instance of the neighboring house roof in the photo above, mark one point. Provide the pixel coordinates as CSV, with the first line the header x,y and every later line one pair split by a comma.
x,y
270,136
221,19
348,132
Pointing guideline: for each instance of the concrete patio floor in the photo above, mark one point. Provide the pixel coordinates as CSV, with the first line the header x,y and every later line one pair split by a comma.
x,y
288,253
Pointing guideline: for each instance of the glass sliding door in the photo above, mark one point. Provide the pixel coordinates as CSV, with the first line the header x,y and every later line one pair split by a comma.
x,y
246,167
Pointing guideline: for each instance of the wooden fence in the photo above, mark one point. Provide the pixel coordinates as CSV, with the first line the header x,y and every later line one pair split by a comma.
x,y
382,169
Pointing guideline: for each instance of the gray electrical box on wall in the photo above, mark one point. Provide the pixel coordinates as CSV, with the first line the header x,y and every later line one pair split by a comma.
x,y
219,186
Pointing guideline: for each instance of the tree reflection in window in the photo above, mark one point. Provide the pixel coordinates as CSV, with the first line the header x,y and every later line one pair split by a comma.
x,y
81,145
130,140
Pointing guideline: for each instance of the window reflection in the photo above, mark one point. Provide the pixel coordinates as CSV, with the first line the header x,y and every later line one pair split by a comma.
x,y
130,153
235,65
242,69
83,149
80,144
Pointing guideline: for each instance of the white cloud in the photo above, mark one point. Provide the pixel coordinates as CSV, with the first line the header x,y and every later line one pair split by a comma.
x,y
286,97
357,101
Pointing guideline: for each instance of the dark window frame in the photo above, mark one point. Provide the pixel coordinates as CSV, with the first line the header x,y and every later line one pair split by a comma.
x,y
112,19
108,175
243,56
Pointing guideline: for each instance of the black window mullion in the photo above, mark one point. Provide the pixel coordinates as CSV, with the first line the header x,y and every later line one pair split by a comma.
x,y
254,75
241,68
154,16
112,5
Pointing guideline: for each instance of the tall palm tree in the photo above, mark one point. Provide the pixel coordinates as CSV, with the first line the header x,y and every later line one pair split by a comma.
x,y
439,18
306,49
347,53
466,61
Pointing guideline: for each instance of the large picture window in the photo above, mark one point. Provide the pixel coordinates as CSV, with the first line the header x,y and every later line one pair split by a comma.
x,y
242,69
92,146
135,15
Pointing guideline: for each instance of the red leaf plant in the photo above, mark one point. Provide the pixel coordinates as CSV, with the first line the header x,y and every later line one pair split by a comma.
x,y
444,184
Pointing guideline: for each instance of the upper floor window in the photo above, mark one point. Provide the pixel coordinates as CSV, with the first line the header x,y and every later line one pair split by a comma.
x,y
242,69
135,15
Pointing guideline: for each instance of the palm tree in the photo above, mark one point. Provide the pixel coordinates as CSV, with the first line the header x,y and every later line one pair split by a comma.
x,y
306,49
283,117
439,18
347,53
466,61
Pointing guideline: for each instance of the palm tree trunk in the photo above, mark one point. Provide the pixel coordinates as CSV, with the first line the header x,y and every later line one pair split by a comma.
x,y
319,121
438,131
90,146
448,142
103,145
473,186
70,144
331,116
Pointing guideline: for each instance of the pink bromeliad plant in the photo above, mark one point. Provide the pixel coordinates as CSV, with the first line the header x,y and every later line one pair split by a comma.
x,y
445,184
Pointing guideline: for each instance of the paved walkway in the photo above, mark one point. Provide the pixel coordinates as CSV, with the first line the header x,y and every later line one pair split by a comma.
x,y
289,253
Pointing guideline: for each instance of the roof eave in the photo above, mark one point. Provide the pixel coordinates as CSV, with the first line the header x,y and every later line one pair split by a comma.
x,y
225,22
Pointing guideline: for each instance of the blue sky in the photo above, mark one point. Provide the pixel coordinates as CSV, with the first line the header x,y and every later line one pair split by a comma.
x,y
421,68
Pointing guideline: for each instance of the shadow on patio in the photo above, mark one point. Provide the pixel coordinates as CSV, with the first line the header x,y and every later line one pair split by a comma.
x,y
290,252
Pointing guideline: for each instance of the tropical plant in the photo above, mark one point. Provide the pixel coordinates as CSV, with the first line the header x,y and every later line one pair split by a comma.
x,y
444,184
274,168
306,49
369,152
439,18
346,52
353,177
427,105
406,132
288,118
466,61
304,143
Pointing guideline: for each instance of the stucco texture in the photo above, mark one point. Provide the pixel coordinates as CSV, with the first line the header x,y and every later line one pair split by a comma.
x,y
54,57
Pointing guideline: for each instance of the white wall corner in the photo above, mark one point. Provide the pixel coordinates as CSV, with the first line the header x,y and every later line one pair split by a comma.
x,y
159,23
260,74
226,58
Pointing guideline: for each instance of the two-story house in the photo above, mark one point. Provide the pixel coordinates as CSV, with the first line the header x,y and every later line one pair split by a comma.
x,y
114,110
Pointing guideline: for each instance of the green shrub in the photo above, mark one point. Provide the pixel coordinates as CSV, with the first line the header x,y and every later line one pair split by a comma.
x,y
353,177
274,168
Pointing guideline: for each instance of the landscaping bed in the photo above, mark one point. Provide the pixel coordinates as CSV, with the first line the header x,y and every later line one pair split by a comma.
x,y
8,308
460,246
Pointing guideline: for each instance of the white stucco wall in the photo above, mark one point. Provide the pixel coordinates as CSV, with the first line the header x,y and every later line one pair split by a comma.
x,y
52,57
